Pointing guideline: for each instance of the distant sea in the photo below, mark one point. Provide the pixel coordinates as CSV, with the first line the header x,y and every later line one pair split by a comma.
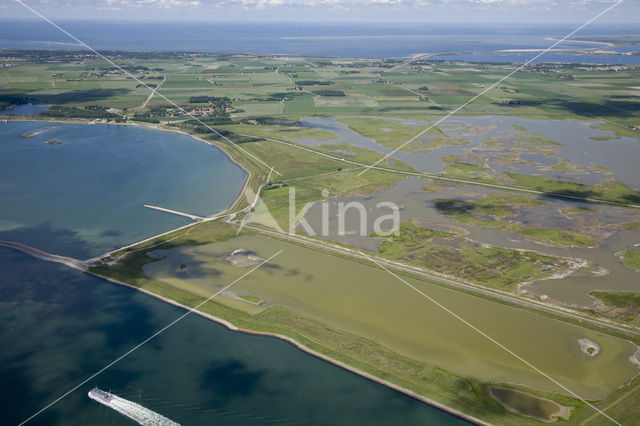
x,y
330,40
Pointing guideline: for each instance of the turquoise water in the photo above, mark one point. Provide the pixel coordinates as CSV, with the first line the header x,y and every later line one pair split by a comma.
x,y
84,196
60,326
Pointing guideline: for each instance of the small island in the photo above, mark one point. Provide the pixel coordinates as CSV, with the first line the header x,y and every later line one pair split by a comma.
x,y
31,134
589,347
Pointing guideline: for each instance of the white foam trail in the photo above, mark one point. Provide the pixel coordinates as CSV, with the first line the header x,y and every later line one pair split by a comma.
x,y
135,412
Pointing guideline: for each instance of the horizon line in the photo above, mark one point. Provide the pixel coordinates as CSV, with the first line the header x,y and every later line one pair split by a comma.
x,y
320,22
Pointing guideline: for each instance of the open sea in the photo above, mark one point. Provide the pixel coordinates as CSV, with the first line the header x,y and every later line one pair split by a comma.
x,y
330,40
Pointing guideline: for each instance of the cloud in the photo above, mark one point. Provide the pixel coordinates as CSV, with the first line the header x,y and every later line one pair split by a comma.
x,y
266,4
157,4
381,10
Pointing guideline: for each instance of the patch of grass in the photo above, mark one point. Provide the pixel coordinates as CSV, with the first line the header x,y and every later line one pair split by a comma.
x,y
604,138
623,306
631,258
584,210
467,171
494,267
390,133
619,130
563,165
249,298
561,237
302,133
528,404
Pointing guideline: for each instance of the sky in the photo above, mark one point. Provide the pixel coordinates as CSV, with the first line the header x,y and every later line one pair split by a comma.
x,y
387,11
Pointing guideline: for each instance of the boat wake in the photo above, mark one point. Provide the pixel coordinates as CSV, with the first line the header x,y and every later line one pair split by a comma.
x,y
135,412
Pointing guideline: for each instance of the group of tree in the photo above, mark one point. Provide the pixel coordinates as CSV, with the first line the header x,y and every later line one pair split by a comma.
x,y
218,102
89,111
329,92
313,83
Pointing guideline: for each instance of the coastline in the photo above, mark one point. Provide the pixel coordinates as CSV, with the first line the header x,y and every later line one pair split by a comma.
x,y
230,325
226,323
301,347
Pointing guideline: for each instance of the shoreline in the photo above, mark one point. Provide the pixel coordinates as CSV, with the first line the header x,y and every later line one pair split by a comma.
x,y
230,326
247,174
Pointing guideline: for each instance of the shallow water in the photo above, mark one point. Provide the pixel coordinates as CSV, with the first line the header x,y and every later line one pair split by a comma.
x,y
619,155
429,162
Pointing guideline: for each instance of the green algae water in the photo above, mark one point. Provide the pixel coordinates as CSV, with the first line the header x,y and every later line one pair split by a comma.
x,y
84,196
370,303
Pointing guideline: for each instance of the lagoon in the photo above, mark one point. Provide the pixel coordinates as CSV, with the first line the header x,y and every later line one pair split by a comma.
x,y
84,196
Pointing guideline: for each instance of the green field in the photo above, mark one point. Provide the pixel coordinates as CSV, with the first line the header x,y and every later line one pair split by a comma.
x,y
631,258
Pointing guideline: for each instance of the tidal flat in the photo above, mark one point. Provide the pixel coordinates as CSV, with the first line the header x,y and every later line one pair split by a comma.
x,y
569,150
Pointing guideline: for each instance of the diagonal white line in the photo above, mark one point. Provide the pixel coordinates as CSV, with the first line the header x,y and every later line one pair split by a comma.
x,y
492,86
35,12
163,329
476,329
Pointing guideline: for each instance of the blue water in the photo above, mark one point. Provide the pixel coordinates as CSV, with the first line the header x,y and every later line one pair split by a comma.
x,y
354,40
84,197
25,109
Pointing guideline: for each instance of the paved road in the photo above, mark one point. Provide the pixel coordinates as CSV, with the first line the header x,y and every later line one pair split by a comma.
x,y
153,92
